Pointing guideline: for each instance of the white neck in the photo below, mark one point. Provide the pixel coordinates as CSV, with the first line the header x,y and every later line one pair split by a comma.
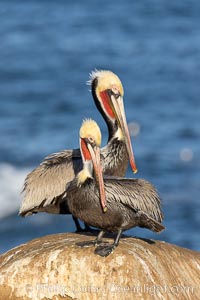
x,y
86,173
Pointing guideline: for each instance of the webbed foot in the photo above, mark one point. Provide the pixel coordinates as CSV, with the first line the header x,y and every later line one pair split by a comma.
x,y
104,250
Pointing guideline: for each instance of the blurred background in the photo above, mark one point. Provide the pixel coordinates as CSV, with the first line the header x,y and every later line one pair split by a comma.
x,y
47,50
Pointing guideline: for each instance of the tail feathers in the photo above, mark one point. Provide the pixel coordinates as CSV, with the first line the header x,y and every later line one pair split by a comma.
x,y
26,213
148,222
60,208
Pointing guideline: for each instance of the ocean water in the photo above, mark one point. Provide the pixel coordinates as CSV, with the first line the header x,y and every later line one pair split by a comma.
x,y
47,50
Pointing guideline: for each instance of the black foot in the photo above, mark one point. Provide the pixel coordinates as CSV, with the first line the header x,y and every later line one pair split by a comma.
x,y
104,250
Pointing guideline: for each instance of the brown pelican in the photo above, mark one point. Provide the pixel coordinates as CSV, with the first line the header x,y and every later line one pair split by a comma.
x,y
45,186
129,202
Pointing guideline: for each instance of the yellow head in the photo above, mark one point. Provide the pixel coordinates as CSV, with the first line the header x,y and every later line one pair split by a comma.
x,y
107,80
90,129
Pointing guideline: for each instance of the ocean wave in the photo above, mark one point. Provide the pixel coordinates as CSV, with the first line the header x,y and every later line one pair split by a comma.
x,y
11,182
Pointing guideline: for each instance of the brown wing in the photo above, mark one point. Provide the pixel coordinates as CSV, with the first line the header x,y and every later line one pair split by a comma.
x,y
137,194
47,183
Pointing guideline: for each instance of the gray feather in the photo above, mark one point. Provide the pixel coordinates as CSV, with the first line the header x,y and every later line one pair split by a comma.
x,y
44,188
137,194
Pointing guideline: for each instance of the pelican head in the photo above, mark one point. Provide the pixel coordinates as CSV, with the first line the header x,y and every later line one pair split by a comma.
x,y
90,129
90,141
108,94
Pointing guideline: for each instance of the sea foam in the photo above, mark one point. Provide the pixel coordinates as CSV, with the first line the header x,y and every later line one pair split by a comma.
x,y
11,183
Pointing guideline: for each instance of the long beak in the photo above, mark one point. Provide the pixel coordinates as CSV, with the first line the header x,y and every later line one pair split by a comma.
x,y
95,155
118,106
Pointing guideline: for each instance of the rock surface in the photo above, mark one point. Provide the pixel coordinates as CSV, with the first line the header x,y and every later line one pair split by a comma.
x,y
53,267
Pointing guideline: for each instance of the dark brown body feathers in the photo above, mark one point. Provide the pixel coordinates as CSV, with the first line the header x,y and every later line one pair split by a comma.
x,y
130,203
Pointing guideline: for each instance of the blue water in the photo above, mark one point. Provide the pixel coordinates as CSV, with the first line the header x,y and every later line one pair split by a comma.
x,y
47,50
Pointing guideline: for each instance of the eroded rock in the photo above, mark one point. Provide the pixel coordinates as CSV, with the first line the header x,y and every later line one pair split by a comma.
x,y
53,267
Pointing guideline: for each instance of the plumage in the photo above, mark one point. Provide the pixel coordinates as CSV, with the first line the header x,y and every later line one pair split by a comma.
x,y
128,202
44,187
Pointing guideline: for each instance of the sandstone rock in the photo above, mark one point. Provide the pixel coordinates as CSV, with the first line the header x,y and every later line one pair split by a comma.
x,y
53,267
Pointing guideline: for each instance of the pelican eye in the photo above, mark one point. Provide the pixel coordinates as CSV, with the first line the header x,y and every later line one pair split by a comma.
x,y
91,140
115,92
117,95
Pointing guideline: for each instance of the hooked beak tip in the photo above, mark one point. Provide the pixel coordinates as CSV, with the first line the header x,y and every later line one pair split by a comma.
x,y
133,166
105,209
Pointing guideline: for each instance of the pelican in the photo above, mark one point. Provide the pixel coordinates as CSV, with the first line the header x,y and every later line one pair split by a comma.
x,y
45,186
110,204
